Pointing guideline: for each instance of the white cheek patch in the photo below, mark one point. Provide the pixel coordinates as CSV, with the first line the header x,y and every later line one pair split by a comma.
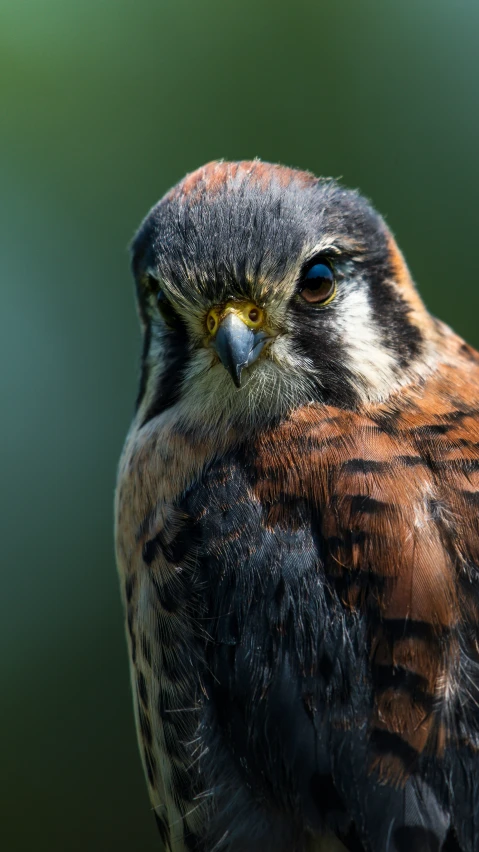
x,y
283,354
365,354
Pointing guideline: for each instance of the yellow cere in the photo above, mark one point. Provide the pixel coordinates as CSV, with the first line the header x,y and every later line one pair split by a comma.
x,y
251,314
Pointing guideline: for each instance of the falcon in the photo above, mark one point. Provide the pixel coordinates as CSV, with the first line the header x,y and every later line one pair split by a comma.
x,y
297,528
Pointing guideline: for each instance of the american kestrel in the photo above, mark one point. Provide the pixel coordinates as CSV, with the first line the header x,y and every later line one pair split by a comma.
x,y
297,528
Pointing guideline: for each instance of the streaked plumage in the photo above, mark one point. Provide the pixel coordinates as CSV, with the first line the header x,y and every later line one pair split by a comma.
x,y
299,555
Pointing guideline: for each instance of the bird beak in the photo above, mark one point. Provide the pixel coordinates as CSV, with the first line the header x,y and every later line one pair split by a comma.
x,y
237,345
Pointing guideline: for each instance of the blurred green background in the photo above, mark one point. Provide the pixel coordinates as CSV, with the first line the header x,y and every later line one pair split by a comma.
x,y
104,105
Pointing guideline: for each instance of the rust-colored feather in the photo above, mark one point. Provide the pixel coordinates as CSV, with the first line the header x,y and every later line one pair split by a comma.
x,y
397,490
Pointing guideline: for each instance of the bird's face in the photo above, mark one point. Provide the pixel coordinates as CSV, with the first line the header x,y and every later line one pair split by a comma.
x,y
261,288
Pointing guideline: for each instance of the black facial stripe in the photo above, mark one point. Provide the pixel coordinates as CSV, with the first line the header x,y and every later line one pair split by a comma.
x,y
313,340
390,311
176,360
401,336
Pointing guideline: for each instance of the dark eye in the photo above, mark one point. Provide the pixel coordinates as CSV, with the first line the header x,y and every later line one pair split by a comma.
x,y
166,310
318,283
152,283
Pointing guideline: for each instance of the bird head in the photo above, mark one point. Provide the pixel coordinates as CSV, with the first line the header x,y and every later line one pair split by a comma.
x,y
262,288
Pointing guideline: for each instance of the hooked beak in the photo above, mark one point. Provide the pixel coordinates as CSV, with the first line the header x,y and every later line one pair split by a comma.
x,y
237,345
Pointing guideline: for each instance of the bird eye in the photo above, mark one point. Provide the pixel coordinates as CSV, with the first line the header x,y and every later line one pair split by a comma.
x,y
318,283
152,284
165,308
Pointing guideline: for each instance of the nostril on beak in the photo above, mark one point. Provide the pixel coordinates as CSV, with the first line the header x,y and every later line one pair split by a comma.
x,y
237,345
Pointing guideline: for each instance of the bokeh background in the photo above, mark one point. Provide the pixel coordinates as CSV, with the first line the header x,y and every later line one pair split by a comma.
x,y
104,105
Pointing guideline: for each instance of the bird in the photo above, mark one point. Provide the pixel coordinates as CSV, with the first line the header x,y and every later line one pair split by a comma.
x,y
297,527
